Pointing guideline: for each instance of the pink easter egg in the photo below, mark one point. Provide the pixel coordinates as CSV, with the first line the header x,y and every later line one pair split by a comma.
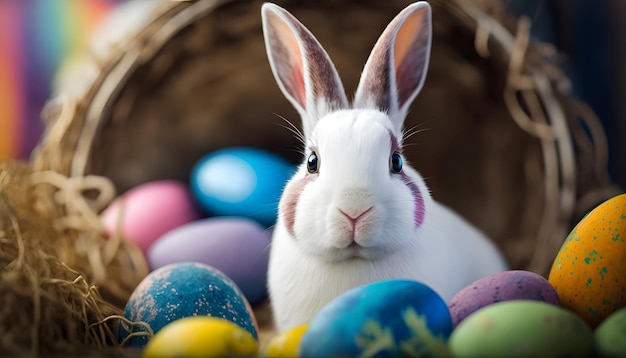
x,y
148,211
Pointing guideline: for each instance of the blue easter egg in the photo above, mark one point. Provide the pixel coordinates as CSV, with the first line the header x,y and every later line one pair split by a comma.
x,y
389,318
182,290
241,182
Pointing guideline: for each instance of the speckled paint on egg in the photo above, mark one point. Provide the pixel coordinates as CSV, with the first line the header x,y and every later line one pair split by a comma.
x,y
183,290
503,286
589,270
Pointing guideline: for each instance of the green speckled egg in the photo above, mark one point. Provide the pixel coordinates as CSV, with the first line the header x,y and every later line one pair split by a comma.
x,y
588,273
611,335
522,329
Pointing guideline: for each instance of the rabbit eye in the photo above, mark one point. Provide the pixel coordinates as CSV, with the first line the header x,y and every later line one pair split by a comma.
x,y
312,163
396,163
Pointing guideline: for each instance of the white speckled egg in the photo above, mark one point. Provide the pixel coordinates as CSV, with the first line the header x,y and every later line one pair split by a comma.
x,y
184,290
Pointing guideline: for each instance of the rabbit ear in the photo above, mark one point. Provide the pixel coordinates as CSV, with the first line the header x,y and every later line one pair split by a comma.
x,y
396,69
302,68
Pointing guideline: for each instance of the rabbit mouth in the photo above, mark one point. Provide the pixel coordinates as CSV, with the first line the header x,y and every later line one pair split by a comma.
x,y
354,250
354,230
351,252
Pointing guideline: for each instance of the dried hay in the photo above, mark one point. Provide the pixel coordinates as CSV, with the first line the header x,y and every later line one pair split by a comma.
x,y
57,265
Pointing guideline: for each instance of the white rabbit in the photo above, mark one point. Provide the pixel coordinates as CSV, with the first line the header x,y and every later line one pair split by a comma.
x,y
355,212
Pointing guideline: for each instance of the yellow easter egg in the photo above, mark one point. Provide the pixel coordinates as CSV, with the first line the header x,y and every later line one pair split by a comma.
x,y
201,336
287,343
589,272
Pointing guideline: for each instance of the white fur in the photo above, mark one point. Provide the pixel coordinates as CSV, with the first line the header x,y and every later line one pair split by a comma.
x,y
325,253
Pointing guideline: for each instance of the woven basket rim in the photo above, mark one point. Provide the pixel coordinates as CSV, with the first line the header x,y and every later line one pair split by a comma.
x,y
175,15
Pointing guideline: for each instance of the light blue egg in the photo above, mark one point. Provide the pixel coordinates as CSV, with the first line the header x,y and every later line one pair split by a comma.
x,y
241,181
392,318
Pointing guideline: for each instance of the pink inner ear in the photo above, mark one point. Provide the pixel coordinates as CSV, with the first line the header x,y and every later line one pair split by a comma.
x,y
298,78
410,55
406,37
292,61
297,64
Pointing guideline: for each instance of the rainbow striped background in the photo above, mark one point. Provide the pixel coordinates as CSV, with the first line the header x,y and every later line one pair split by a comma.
x,y
36,37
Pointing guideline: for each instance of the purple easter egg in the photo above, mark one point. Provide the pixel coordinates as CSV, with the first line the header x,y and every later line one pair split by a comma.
x,y
503,286
238,247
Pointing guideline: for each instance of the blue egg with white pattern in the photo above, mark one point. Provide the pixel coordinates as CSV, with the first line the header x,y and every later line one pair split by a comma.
x,y
241,181
183,290
391,318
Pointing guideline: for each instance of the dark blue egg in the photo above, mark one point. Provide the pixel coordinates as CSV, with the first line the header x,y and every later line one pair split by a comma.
x,y
391,318
182,290
241,181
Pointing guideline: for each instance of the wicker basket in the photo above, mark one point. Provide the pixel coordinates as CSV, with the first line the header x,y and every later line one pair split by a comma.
x,y
507,146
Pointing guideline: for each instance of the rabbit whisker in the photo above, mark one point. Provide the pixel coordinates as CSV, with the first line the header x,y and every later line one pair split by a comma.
x,y
417,126
413,131
293,129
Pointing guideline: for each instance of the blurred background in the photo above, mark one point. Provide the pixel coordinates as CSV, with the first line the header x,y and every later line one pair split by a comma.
x,y
39,37
592,38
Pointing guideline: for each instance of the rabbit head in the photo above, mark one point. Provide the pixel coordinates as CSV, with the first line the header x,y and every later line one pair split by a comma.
x,y
354,196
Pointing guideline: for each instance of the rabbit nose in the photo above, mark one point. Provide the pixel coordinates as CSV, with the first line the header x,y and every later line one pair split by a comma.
x,y
354,218
354,204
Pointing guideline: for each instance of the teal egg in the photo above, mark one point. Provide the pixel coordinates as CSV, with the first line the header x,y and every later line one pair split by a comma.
x,y
241,181
183,290
391,318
